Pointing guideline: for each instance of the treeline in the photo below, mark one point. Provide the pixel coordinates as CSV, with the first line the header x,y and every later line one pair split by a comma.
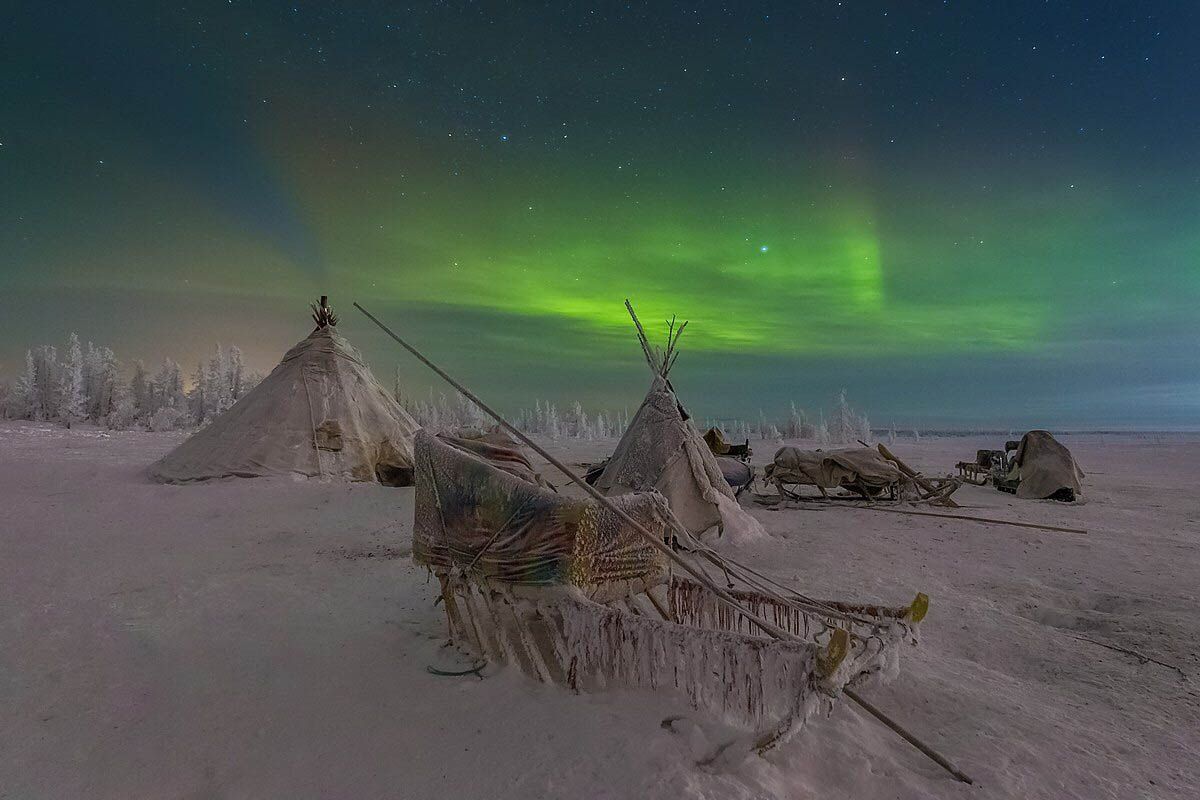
x,y
447,413
87,383
844,425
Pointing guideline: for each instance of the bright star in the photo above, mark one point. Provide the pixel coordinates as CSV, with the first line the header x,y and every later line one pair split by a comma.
x,y
763,249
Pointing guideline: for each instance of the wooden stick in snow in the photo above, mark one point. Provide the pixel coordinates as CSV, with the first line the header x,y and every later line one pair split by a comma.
x,y
976,519
1135,653
908,737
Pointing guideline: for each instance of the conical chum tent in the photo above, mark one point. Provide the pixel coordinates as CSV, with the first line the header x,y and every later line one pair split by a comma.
x,y
320,413
662,450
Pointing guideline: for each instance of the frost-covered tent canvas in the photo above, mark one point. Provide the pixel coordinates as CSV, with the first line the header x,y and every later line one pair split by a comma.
x,y
320,413
661,450
1044,468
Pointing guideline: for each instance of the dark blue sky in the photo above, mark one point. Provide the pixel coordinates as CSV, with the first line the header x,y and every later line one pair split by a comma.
x,y
964,213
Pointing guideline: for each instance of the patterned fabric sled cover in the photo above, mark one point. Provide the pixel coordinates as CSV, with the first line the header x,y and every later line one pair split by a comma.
x,y
494,525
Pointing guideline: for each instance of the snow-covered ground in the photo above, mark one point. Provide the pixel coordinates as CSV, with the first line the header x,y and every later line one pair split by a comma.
x,y
269,638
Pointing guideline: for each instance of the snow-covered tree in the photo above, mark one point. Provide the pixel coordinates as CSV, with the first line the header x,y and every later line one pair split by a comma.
x,y
25,393
45,383
72,405
90,385
107,387
167,418
166,391
235,373
798,426
139,389
120,412
821,434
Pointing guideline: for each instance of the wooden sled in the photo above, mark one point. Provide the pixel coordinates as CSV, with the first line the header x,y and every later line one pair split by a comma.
x,y
567,590
675,637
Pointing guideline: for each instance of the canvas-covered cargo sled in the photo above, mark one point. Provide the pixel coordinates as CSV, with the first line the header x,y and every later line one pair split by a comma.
x,y
867,473
1042,468
569,591
860,469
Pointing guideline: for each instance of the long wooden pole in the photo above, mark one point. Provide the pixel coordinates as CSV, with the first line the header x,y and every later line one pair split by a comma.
x,y
908,737
976,519
723,596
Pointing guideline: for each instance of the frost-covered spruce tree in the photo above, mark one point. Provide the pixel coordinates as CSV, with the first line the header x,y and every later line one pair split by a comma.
x,y
821,434
864,428
91,372
235,374
106,385
120,413
72,397
842,424
795,423
219,387
42,371
250,379
197,400
166,391
26,390
139,390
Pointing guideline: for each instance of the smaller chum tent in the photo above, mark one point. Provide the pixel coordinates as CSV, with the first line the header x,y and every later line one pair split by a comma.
x,y
320,413
662,451
1045,468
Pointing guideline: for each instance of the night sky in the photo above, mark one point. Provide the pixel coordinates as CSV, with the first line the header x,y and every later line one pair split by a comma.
x,y
965,213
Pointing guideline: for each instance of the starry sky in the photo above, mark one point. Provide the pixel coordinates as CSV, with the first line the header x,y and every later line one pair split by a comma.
x,y
964,213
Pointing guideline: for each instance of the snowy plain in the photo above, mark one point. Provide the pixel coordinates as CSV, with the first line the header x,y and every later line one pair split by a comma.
x,y
269,638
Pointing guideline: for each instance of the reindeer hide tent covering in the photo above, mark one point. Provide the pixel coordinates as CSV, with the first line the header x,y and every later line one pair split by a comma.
x,y
320,413
662,451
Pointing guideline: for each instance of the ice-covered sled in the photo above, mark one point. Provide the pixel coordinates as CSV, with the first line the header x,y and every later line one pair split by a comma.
x,y
572,594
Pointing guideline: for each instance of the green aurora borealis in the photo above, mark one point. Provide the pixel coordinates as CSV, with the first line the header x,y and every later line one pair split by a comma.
x,y
951,233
